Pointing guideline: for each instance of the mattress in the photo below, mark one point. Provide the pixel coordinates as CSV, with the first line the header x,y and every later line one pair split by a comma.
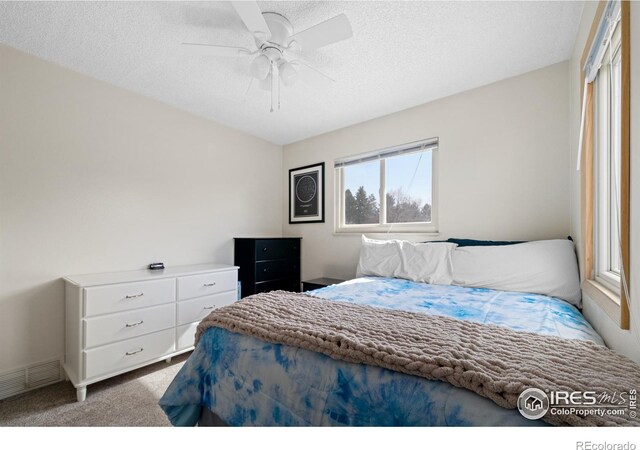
x,y
246,381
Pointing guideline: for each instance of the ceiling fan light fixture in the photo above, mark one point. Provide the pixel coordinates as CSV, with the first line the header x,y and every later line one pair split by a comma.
x,y
265,84
275,40
260,67
288,73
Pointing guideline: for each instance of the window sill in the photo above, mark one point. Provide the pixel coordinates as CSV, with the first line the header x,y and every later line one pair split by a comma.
x,y
608,300
396,234
394,228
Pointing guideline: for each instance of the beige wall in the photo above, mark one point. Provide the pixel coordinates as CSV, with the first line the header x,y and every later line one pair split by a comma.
x,y
626,342
94,178
503,165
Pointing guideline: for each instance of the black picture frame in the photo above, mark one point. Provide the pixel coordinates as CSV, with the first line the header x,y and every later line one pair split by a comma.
x,y
306,194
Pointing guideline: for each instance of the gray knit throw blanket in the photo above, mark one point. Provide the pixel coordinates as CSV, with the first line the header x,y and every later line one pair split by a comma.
x,y
495,362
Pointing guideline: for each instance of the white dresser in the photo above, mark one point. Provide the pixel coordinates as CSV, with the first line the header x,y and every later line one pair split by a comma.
x,y
120,321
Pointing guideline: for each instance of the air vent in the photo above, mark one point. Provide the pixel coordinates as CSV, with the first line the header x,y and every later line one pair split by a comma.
x,y
13,383
43,374
28,378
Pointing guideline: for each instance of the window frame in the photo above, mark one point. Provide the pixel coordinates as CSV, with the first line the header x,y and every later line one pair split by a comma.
x,y
613,303
606,236
340,227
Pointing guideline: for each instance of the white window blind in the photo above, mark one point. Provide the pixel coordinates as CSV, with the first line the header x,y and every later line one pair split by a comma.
x,y
610,18
412,147
599,46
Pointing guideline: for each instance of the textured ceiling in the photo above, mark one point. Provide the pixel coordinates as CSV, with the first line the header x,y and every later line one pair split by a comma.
x,y
402,54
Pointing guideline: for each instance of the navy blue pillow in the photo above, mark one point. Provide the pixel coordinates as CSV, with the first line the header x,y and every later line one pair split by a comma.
x,y
477,243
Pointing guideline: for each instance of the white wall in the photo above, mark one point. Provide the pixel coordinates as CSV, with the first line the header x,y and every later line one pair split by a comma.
x,y
626,342
503,165
94,178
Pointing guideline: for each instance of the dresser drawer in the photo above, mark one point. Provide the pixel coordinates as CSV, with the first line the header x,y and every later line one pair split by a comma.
x,y
115,357
186,335
291,285
121,297
207,284
273,270
197,309
268,249
116,327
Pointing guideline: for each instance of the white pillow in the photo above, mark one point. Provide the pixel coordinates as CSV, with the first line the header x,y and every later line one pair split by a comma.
x,y
422,262
378,258
539,267
426,262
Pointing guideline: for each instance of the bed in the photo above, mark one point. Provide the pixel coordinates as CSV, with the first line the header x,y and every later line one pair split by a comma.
x,y
241,380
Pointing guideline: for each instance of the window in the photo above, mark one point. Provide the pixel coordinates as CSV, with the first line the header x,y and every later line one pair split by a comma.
x,y
387,190
605,165
607,120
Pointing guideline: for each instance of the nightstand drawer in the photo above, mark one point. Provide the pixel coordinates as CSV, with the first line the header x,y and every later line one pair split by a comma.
x,y
116,327
197,309
268,249
273,270
114,357
125,296
210,283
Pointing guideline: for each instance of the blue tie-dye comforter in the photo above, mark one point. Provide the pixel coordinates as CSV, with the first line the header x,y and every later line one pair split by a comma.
x,y
246,381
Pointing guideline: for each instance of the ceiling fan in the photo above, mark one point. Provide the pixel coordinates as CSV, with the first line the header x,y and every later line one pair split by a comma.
x,y
276,43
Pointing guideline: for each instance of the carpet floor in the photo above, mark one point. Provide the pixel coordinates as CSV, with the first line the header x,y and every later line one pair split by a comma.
x,y
130,399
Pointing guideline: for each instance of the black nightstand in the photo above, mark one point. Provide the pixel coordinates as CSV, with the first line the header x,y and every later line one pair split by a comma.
x,y
318,283
267,264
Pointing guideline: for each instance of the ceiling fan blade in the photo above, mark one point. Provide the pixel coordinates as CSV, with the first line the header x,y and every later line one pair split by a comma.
x,y
214,50
324,33
312,76
251,15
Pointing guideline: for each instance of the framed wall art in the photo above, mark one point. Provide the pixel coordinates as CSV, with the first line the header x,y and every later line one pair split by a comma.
x,y
306,194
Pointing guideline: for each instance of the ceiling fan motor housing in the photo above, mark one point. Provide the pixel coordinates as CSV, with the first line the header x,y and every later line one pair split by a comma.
x,y
273,53
281,30
280,27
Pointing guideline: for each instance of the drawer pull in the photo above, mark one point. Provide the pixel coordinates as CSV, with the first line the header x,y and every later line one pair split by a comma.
x,y
135,295
130,325
264,270
133,353
208,307
264,249
210,284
